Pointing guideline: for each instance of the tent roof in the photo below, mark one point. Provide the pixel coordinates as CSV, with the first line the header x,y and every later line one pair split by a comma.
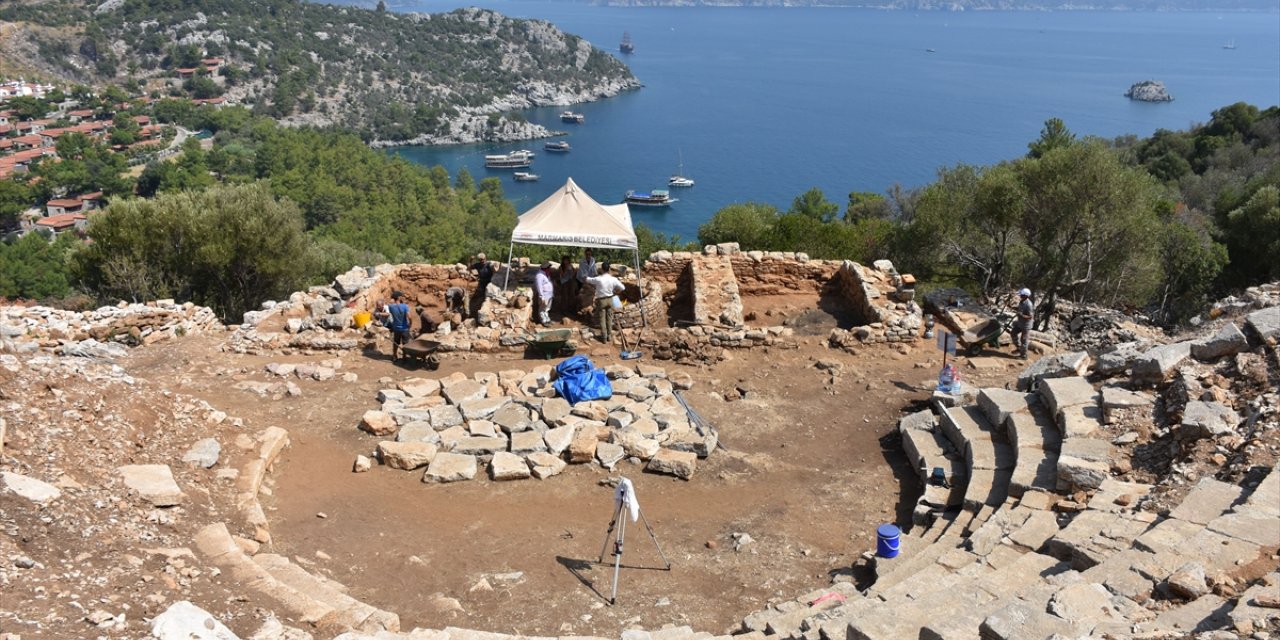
x,y
569,217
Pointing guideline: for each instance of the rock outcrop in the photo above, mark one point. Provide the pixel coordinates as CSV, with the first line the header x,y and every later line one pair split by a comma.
x,y
1148,91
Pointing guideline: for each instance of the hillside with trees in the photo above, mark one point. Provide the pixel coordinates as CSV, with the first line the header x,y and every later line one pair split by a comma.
x,y
389,76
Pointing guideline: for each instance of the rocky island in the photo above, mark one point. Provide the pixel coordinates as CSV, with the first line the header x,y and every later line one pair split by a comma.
x,y
1148,91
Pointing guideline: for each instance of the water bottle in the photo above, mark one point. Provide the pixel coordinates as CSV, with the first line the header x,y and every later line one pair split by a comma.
x,y
946,378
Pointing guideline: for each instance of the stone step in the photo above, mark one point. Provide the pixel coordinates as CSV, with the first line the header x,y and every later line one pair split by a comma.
x,y
1092,536
973,435
955,613
216,544
915,554
1061,394
926,448
347,611
1265,498
1206,501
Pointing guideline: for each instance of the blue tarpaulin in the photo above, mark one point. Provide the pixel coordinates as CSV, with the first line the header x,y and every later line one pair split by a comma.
x,y
578,380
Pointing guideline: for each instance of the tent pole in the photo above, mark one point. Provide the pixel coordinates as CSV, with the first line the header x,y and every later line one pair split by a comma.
x,y
507,278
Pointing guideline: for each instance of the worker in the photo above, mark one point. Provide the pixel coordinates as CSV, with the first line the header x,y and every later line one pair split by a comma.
x,y
607,289
542,285
586,268
483,270
1026,315
396,318
567,283
426,322
455,304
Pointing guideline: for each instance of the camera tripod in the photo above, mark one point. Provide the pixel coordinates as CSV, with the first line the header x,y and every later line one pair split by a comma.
x,y
622,499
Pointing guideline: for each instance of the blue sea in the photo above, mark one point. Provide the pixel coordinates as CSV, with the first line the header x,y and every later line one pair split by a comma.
x,y
764,104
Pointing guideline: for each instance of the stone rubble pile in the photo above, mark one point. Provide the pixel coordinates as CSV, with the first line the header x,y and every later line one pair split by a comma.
x,y
513,425
97,333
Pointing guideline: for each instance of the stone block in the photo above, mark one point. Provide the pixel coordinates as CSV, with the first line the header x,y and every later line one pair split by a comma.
x,y
419,387
1157,364
27,487
1062,365
464,390
1264,324
1074,473
478,446
508,466
681,464
1207,420
1208,500
482,408
450,467
152,482
1081,421
998,404
1120,399
444,416
1091,449
608,454
378,423
1227,342
406,455
582,448
1060,393
544,465
558,439
512,417
526,442
1118,359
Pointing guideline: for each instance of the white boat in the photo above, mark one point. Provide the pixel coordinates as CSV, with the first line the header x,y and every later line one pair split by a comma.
x,y
569,116
655,198
514,160
678,179
1229,45
559,146
525,176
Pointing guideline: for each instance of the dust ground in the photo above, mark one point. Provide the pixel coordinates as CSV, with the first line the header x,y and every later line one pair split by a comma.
x,y
809,473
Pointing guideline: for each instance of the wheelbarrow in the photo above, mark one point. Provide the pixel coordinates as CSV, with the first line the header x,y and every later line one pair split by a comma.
x,y
555,343
422,351
988,332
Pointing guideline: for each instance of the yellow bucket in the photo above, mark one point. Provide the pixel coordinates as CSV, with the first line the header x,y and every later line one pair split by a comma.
x,y
362,318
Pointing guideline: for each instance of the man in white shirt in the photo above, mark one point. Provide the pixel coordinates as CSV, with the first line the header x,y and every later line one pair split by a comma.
x,y
606,288
586,268
542,286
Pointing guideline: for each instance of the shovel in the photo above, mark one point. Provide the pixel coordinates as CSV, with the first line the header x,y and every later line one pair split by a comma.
x,y
627,353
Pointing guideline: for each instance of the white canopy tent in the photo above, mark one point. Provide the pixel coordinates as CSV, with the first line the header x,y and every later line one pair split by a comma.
x,y
570,217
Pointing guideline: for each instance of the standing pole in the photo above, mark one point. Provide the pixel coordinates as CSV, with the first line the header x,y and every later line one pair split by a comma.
x,y
617,558
507,278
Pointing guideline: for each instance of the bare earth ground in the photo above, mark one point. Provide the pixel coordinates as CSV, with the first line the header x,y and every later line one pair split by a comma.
x,y
808,475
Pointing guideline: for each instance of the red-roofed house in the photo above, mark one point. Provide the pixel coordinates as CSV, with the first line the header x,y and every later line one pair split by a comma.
x,y
63,206
79,114
5,129
211,64
63,222
187,73
142,120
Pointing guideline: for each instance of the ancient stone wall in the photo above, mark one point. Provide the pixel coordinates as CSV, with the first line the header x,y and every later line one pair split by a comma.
x,y
27,329
886,308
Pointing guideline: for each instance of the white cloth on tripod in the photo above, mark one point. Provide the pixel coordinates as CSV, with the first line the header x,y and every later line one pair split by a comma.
x,y
626,493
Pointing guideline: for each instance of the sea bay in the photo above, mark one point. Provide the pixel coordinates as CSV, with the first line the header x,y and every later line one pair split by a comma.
x,y
764,104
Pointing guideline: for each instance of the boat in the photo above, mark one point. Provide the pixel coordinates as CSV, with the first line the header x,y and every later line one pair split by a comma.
x,y
678,178
627,46
930,50
513,160
525,176
655,198
559,146
1229,45
569,116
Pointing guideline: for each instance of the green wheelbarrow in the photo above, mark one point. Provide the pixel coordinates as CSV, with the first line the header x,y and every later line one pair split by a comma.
x,y
555,343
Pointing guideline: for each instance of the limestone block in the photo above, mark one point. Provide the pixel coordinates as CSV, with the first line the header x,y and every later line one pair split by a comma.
x,y
419,387
482,408
555,410
582,448
450,467
361,464
1062,365
1188,581
27,487
476,445
544,465
406,455
608,454
1227,342
1208,500
1121,399
508,466
998,404
153,482
1158,363
1264,324
1060,393
378,423
204,453
558,439
1091,449
513,417
464,390
524,443
444,416
185,621
1207,420
420,431
1081,474
681,464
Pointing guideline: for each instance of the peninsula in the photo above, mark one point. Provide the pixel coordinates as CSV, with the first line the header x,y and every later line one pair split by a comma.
x,y
393,78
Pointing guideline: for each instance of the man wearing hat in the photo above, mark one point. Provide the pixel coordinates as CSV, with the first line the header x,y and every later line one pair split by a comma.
x,y
1022,323
396,318
542,286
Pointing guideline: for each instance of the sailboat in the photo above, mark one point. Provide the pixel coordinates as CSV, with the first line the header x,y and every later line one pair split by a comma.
x,y
627,46
678,178
1229,45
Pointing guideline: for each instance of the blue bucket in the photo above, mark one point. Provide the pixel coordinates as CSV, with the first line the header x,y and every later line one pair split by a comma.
x,y
887,541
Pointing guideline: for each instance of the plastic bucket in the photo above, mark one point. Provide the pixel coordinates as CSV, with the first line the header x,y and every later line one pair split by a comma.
x,y
887,538
362,318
